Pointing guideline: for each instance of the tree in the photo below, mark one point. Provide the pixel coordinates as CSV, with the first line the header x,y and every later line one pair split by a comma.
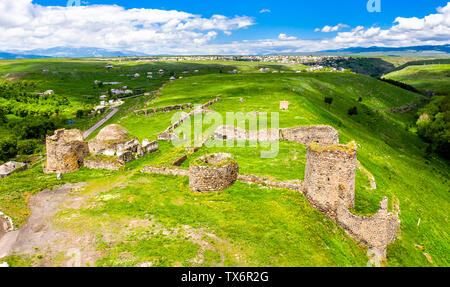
x,y
2,117
433,124
353,111
329,101
80,114
8,148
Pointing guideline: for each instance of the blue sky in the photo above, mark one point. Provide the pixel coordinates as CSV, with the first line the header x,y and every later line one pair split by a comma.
x,y
297,18
285,26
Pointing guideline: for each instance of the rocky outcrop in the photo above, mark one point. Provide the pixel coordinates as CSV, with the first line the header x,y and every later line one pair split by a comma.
x,y
11,167
214,172
305,135
65,151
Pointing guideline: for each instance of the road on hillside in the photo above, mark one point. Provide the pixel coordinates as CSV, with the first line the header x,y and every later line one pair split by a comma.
x,y
100,123
110,115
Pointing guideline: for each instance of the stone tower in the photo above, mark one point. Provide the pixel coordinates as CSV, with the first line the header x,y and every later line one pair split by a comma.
x,y
65,151
330,187
330,177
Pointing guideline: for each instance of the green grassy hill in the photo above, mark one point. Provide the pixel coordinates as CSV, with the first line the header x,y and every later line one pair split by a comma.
x,y
425,78
140,219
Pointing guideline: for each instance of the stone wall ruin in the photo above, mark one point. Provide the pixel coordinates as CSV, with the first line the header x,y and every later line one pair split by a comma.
x,y
305,135
330,172
330,187
165,109
111,149
167,136
212,173
65,151
11,167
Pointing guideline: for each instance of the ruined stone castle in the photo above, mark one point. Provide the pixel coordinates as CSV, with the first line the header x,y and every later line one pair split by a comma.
x,y
329,182
111,149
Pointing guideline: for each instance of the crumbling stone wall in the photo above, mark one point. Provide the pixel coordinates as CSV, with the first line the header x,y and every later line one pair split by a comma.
x,y
330,187
322,135
166,171
11,167
163,109
375,232
295,185
65,151
150,147
212,173
167,136
101,163
330,172
235,133
114,143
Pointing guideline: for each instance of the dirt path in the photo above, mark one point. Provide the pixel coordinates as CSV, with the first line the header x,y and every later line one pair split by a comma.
x,y
39,233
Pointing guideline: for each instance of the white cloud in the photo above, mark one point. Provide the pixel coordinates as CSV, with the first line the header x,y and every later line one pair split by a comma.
x,y
265,11
328,29
285,37
26,26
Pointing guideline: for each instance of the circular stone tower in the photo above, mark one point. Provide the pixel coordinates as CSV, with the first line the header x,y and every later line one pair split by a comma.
x,y
330,177
214,172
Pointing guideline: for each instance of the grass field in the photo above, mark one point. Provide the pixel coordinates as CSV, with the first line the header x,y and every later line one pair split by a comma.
x,y
247,225
425,78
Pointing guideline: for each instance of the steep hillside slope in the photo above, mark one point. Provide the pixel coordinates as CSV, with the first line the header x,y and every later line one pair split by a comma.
x,y
426,78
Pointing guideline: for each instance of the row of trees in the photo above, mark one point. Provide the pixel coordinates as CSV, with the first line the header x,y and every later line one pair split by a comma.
x,y
15,100
36,116
433,125
25,135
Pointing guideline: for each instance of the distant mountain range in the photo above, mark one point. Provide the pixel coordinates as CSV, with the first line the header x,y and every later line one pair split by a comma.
x,y
64,52
4,55
425,51
421,50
